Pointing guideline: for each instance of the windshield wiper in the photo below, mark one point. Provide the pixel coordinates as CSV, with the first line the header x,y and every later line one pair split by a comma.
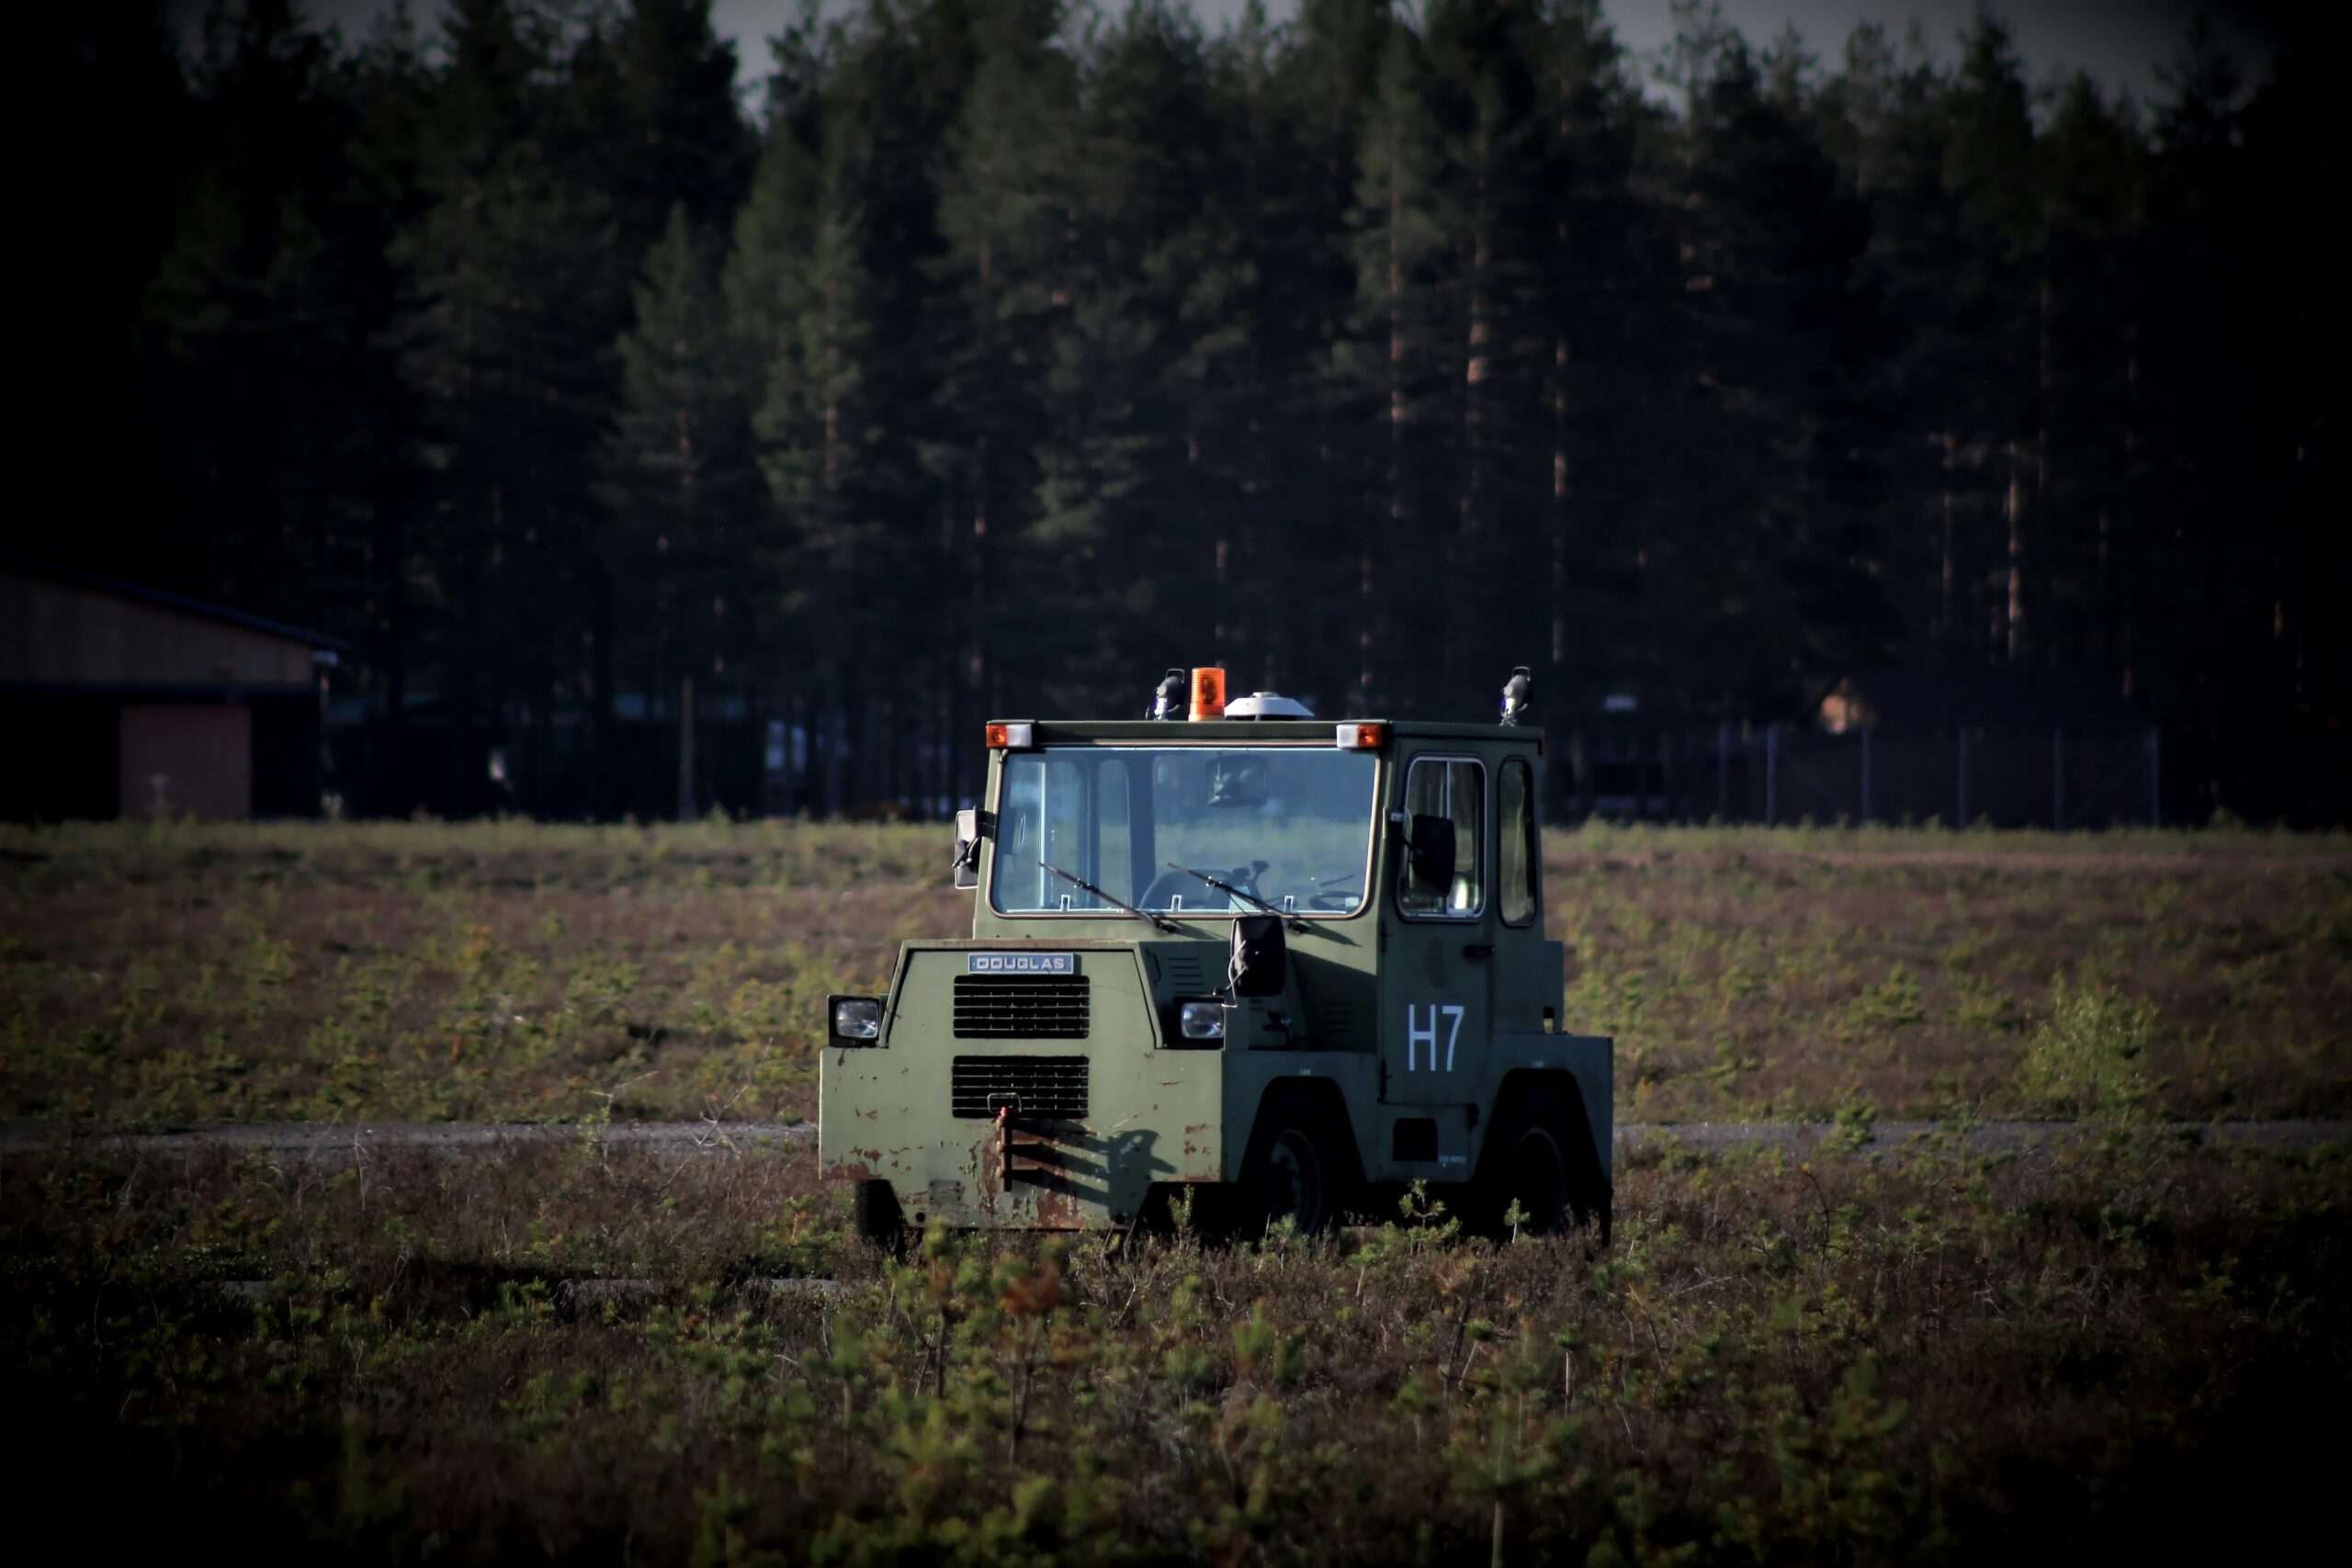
x,y
1080,882
1293,922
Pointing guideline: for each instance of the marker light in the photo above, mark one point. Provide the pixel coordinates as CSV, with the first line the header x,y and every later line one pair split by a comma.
x,y
1363,736
1201,1020
1012,737
1208,693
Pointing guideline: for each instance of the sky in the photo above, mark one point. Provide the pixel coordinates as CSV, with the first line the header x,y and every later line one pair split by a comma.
x,y
2120,42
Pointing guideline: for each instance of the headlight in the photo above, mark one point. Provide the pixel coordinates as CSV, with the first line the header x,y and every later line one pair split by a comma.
x,y
1201,1020
856,1019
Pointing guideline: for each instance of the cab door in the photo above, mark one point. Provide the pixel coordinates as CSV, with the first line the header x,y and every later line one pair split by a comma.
x,y
1527,979
1437,971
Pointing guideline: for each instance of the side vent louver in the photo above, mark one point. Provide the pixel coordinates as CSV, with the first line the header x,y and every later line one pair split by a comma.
x,y
1188,973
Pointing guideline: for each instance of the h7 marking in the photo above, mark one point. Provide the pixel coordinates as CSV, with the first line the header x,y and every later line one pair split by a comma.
x,y
1415,1036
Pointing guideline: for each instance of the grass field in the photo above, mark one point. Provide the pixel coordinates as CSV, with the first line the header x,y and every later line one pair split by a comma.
x,y
515,972
2129,1349
2131,1343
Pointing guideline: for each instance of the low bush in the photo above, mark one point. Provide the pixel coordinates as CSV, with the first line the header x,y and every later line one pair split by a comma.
x,y
513,970
2089,1057
592,1353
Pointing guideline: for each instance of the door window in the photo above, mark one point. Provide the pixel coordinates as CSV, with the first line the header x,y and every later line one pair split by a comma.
x,y
1455,790
1517,848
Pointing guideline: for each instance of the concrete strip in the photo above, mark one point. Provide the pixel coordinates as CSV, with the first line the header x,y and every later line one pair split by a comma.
x,y
373,1137
330,1141
573,1294
1984,1137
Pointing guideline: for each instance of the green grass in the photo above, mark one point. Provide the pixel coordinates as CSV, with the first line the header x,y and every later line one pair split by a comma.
x,y
2113,1349
1751,974
1929,1358
511,970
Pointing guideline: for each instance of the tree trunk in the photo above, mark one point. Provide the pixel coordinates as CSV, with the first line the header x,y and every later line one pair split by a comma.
x,y
1947,619
2013,510
1474,371
686,746
600,797
1558,596
1367,573
2041,453
384,774
834,741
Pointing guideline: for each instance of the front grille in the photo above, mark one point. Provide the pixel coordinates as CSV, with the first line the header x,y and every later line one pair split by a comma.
x,y
1032,1086
1020,1007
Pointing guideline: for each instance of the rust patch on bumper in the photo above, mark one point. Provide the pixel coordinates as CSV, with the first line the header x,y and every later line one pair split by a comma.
x,y
1059,1212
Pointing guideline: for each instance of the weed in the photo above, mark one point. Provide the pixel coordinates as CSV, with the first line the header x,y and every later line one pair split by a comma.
x,y
2089,1057
1925,1356
510,970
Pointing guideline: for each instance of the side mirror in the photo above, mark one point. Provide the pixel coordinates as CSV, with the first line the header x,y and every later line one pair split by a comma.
x,y
1259,961
1432,850
968,847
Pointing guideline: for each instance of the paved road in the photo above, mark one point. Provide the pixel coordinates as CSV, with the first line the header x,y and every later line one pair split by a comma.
x,y
338,1140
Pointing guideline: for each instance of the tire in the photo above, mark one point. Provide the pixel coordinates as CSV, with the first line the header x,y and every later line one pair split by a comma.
x,y
1301,1166
874,1211
1540,1156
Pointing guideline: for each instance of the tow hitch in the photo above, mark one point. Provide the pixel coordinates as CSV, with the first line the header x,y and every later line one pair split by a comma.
x,y
1012,1157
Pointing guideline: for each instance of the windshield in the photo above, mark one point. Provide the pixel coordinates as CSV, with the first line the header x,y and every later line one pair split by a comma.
x,y
1288,826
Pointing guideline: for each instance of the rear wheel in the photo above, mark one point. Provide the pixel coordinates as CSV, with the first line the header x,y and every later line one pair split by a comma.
x,y
1539,1157
1301,1166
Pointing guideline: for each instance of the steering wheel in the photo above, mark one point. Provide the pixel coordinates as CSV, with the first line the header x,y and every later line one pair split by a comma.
x,y
1333,900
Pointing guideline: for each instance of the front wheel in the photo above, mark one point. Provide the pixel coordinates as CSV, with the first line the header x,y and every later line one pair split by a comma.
x,y
875,1215
1538,1174
1301,1168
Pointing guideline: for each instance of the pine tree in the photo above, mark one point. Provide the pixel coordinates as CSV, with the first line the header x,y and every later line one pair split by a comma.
x,y
2093,303
804,289
264,327
1991,169
1589,310
1243,379
506,345
1491,105
1391,362
1121,500
1003,203
684,532
1368,353
652,102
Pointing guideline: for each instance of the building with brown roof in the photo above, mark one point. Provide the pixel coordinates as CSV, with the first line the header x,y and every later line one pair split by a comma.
x,y
124,701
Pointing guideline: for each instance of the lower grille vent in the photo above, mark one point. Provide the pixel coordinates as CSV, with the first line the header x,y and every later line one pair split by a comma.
x,y
1032,1086
1020,1007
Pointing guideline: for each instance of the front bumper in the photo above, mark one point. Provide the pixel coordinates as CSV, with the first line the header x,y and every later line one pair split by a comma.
x,y
1151,1116
1096,1111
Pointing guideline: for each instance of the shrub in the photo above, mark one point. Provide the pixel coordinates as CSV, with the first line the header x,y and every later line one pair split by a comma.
x,y
2089,1057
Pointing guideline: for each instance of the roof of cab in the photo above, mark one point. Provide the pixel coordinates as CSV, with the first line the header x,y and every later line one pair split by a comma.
x,y
1268,732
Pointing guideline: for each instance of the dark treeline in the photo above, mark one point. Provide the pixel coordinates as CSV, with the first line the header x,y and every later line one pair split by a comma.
x,y
995,355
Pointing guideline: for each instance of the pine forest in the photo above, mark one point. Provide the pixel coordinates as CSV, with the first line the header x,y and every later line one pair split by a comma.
x,y
973,358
